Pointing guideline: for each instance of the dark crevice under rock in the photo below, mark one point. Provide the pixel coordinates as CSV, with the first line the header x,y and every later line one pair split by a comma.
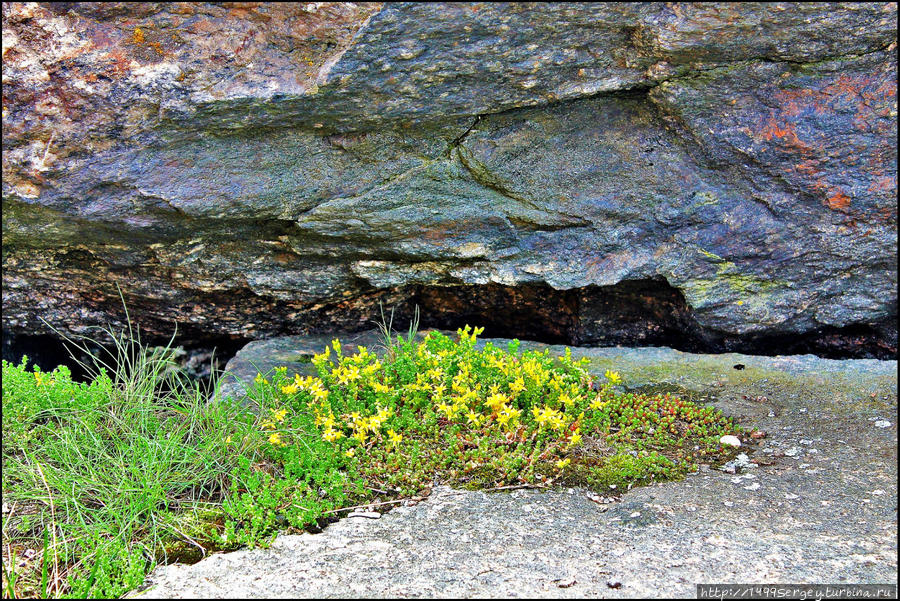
x,y
198,354
632,313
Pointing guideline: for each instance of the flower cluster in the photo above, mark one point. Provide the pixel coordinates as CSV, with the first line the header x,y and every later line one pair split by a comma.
x,y
466,406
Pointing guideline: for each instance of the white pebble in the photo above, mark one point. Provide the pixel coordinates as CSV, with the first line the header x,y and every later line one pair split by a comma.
x,y
730,440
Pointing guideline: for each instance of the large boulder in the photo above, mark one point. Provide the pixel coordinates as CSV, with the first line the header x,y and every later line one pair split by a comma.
x,y
634,172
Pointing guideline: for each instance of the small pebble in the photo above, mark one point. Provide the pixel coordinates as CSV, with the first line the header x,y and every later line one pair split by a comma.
x,y
792,452
791,496
728,503
730,440
565,582
882,423
614,583
753,486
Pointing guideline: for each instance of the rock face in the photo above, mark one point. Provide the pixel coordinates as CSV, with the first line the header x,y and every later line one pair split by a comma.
x,y
594,172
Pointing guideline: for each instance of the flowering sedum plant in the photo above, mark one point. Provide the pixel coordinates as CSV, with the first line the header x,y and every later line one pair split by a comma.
x,y
485,416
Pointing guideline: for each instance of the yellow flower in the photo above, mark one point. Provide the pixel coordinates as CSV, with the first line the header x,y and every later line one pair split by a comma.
x,y
575,439
517,386
474,418
448,409
369,370
331,434
540,415
348,374
558,421
278,415
508,417
563,463
496,401
613,377
350,452
598,403
322,357
319,393
275,439
395,438
228,440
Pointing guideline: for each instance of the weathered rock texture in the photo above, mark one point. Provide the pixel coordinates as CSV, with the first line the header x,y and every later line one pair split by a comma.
x,y
251,168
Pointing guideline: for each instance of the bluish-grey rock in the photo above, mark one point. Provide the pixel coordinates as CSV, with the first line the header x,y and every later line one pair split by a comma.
x,y
247,169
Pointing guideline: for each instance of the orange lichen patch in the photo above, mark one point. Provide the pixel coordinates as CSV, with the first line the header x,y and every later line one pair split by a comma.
x,y
844,91
138,36
809,167
883,184
785,132
202,26
183,8
794,102
839,201
119,62
158,47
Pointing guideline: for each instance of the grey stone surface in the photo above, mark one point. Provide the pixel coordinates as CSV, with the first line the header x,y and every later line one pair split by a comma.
x,y
820,506
287,166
